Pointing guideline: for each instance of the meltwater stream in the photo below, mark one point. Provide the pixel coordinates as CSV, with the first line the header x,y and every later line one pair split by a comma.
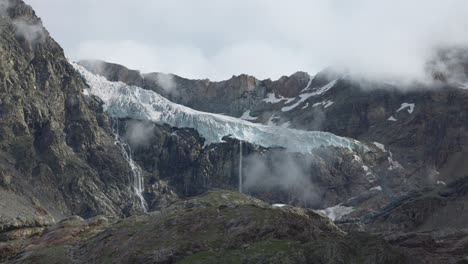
x,y
240,166
138,184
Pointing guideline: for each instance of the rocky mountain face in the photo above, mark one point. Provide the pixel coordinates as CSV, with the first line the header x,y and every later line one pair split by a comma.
x,y
403,117
71,176
408,188
57,152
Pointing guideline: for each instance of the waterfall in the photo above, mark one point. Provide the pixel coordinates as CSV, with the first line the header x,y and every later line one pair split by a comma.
x,y
240,166
138,184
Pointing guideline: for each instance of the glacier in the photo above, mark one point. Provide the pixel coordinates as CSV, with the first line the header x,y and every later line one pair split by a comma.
x,y
125,101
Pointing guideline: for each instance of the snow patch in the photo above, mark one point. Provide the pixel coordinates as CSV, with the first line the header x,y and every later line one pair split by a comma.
x,y
394,165
86,92
392,119
357,158
279,205
246,116
325,104
409,107
304,96
380,146
273,99
309,83
325,88
365,168
441,183
377,188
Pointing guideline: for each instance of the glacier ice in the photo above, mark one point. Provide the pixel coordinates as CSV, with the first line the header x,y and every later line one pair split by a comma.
x,y
124,101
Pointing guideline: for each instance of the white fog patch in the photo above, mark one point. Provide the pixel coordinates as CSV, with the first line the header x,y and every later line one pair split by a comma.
x,y
32,31
280,171
165,81
337,212
139,133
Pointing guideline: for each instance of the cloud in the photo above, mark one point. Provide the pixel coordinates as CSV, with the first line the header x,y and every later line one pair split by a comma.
x,y
216,39
32,32
139,133
165,81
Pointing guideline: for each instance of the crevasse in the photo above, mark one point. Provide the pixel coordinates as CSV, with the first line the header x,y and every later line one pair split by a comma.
x,y
124,101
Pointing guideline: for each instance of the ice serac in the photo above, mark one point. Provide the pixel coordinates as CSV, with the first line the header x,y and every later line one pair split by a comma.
x,y
124,101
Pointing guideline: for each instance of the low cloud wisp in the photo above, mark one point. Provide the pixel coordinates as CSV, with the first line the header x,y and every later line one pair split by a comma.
x,y
282,171
29,29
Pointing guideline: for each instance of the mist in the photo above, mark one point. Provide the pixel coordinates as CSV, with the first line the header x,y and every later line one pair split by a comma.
x,y
31,30
165,81
281,171
139,133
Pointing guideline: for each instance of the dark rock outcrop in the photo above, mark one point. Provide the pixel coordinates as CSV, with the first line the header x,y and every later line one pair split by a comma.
x,y
178,159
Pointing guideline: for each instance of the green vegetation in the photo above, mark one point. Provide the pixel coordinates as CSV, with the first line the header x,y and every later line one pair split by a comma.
x,y
265,250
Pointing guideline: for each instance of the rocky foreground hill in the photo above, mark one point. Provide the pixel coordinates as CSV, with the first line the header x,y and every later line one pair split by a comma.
x,y
68,168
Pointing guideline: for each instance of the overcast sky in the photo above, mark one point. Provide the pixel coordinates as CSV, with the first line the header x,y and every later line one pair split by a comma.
x,y
219,38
